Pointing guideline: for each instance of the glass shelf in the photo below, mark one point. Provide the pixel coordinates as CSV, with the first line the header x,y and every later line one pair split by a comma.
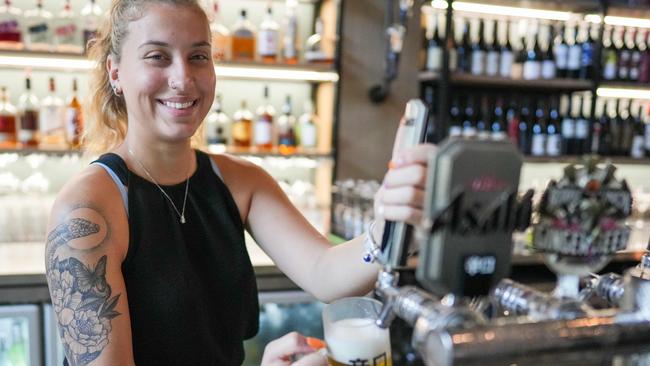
x,y
500,82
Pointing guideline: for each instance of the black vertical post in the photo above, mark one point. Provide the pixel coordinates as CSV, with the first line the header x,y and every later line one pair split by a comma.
x,y
443,90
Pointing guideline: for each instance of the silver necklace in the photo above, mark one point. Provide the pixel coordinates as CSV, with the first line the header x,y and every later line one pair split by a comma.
x,y
181,213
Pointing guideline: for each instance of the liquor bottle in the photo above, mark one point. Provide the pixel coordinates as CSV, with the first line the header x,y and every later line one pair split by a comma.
x,y
434,51
268,38
308,127
217,127
605,121
624,56
568,126
91,15
243,39
492,58
455,124
478,51
553,136
451,49
597,127
242,126
627,129
10,26
39,28
8,118
67,36
221,37
28,112
74,122
507,56
287,129
638,141
463,51
587,67
644,68
610,56
517,71
538,129
574,58
635,57
499,123
51,124
314,50
263,126
482,132
548,58
512,118
582,127
561,53
290,36
533,62
525,126
468,124
615,129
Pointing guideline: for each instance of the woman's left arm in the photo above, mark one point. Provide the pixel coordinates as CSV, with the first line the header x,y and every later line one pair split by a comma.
x,y
306,256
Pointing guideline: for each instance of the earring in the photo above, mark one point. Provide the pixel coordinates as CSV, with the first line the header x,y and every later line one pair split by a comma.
x,y
117,91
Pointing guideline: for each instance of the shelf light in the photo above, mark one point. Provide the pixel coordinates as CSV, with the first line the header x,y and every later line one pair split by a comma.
x,y
503,10
627,22
625,93
277,74
50,63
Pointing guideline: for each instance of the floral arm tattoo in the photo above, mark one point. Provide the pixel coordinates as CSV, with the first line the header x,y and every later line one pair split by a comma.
x,y
81,297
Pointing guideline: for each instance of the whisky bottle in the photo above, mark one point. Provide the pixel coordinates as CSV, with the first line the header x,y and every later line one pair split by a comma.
x,y
51,119
74,122
8,118
39,29
268,38
221,37
67,36
287,129
263,128
91,16
11,26
314,51
308,127
290,35
28,131
242,126
217,127
243,39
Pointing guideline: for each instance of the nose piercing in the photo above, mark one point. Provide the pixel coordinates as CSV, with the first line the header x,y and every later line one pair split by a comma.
x,y
172,84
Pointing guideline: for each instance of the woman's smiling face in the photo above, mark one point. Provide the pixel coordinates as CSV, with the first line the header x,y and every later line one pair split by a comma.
x,y
166,71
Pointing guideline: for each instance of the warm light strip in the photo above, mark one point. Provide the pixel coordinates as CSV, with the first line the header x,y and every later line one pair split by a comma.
x,y
503,10
623,93
627,22
276,74
49,63
70,64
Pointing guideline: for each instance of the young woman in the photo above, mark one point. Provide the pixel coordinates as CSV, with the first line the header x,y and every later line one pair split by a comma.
x,y
146,259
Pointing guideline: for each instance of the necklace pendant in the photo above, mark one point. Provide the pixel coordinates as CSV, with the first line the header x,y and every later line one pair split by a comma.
x,y
182,219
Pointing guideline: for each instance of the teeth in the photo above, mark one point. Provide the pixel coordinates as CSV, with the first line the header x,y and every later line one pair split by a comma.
x,y
178,105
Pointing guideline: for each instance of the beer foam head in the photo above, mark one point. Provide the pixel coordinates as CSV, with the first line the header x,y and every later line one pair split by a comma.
x,y
356,338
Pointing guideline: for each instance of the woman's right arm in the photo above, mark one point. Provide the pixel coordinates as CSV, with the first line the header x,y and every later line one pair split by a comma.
x,y
86,243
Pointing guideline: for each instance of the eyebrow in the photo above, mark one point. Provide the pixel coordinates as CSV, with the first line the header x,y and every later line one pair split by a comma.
x,y
165,44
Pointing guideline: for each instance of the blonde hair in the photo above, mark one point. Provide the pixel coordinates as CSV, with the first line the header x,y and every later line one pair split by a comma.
x,y
106,118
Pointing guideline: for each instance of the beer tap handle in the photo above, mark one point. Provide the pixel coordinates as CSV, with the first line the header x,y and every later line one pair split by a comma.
x,y
386,289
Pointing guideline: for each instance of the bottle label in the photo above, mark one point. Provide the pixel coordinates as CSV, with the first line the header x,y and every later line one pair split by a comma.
x,y
38,33
568,128
267,42
478,62
638,150
609,72
548,69
505,65
289,50
308,135
582,128
492,64
553,145
538,144
263,133
50,121
575,55
587,54
434,58
532,70
561,56
453,60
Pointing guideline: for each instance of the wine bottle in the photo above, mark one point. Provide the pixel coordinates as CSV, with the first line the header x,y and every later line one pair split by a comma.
x,y
561,53
627,129
455,124
638,140
434,51
492,58
575,54
644,68
517,71
479,51
506,54
587,59
568,126
533,64
525,123
499,122
624,56
469,126
463,51
512,117
597,127
635,57
553,136
610,56
538,141
481,120
548,59
615,129
582,127
605,143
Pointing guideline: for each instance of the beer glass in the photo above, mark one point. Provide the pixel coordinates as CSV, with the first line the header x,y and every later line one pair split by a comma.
x,y
351,335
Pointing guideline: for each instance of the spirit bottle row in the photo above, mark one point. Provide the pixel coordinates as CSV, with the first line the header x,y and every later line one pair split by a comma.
x,y
263,130
519,50
38,29
271,43
555,125
46,123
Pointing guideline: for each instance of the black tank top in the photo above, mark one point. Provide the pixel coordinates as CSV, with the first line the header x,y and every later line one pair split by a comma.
x,y
191,287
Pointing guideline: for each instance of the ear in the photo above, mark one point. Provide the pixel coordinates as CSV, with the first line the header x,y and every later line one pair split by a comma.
x,y
112,67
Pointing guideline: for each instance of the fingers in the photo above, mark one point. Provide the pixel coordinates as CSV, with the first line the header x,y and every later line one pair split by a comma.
x,y
279,351
312,359
411,175
403,213
408,195
418,154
